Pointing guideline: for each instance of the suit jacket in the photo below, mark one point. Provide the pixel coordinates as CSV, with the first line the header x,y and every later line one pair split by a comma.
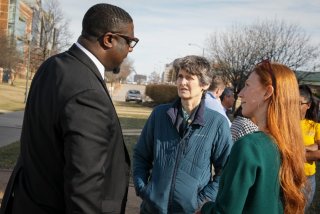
x,y
73,158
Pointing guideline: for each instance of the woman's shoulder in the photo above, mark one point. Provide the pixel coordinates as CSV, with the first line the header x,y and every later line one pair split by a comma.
x,y
255,144
257,138
310,124
162,107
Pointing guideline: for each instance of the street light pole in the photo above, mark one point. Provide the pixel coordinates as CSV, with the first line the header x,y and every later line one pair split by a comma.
x,y
28,66
199,46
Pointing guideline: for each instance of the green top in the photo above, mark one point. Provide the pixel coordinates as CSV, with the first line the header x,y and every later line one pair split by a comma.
x,y
249,182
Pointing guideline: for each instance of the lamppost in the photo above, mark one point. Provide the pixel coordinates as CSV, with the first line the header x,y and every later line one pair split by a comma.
x,y
199,46
49,48
29,38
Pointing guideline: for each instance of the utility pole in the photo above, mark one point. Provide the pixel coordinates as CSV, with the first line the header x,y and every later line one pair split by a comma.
x,y
29,38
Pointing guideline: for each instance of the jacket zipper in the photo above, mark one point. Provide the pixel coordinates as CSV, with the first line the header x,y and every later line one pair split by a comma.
x,y
181,149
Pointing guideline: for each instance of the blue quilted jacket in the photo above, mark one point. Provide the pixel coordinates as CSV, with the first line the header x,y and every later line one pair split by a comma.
x,y
172,174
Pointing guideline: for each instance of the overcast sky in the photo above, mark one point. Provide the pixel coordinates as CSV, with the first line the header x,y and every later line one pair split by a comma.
x,y
167,27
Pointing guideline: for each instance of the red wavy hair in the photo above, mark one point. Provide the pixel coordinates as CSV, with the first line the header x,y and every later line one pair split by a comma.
x,y
283,123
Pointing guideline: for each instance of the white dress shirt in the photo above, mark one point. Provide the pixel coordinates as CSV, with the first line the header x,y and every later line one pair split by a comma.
x,y
94,59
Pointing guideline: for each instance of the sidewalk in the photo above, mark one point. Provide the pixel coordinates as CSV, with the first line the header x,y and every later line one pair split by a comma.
x,y
11,124
10,127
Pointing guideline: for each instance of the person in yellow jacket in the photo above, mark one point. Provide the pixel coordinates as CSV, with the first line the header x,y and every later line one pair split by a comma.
x,y
311,138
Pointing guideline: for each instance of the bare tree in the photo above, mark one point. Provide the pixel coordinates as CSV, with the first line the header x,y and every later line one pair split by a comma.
x,y
235,52
56,28
10,56
154,77
51,32
126,69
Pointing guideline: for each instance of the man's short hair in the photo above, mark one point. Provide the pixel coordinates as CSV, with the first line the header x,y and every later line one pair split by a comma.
x,y
217,82
103,18
227,92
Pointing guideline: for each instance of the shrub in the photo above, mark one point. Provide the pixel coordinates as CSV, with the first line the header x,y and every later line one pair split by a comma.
x,y
161,93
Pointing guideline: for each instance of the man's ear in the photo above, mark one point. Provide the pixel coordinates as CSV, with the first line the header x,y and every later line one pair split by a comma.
x,y
220,91
205,87
269,92
107,40
309,105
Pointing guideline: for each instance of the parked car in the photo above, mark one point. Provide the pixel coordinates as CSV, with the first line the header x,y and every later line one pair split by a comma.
x,y
134,95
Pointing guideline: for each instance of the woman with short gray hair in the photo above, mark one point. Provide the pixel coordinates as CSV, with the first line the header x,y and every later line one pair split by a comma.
x,y
178,145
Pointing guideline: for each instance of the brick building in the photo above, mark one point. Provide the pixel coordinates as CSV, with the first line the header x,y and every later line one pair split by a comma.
x,y
16,26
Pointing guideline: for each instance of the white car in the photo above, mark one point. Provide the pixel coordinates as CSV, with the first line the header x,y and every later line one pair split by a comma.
x,y
134,95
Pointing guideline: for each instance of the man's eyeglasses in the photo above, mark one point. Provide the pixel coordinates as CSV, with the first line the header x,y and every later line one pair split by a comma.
x,y
132,41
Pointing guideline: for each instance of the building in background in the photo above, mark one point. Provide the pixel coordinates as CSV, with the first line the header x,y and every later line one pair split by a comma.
x,y
24,24
16,29
140,79
169,76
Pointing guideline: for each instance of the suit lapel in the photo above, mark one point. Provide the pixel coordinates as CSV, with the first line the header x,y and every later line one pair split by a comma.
x,y
79,54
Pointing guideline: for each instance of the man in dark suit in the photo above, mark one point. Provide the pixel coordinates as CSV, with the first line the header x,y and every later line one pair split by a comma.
x,y
73,158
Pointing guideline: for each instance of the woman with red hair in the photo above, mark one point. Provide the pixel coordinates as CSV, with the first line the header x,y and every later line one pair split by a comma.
x,y
265,170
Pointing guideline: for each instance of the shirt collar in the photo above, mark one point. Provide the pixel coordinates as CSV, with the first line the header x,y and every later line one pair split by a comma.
x,y
197,117
93,58
211,94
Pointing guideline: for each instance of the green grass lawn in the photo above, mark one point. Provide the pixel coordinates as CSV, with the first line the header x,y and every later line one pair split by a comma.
x,y
12,96
9,155
131,116
135,120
